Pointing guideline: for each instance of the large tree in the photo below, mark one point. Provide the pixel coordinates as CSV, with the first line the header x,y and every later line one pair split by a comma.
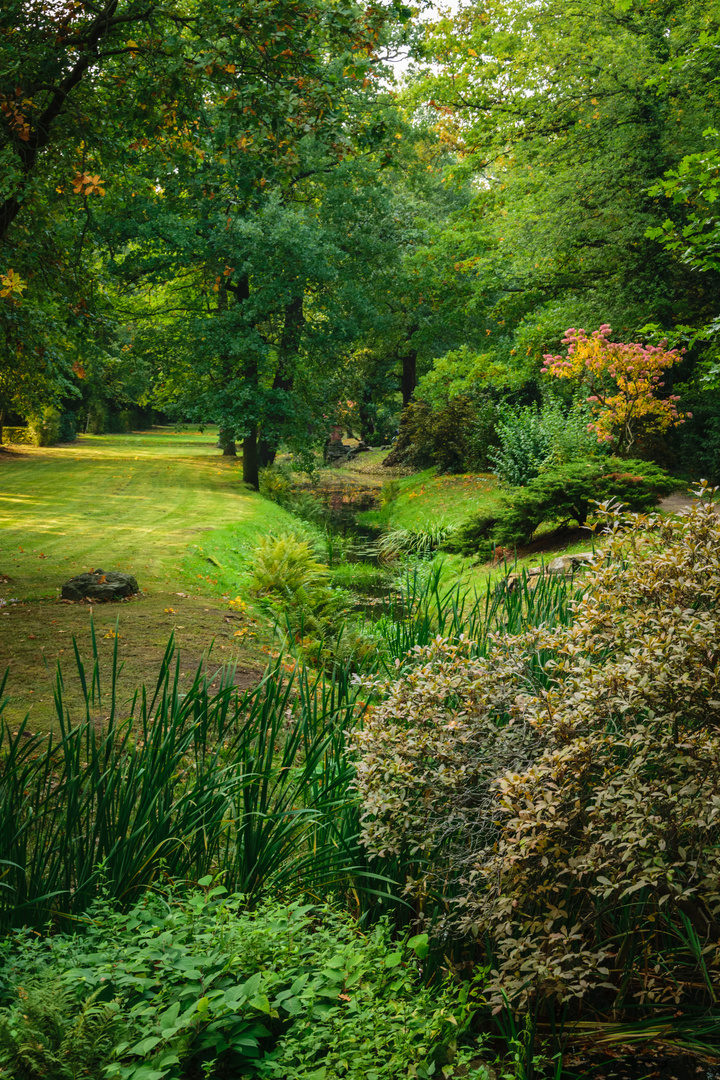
x,y
565,116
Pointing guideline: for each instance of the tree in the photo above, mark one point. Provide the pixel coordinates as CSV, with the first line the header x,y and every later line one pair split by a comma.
x,y
625,380
130,119
566,116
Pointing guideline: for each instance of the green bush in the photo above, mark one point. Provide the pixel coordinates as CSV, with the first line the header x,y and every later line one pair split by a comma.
x,y
533,439
565,494
414,446
449,429
196,985
455,437
286,566
564,789
45,426
22,435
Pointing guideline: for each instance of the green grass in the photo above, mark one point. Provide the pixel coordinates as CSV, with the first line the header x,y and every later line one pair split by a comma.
x,y
427,497
167,507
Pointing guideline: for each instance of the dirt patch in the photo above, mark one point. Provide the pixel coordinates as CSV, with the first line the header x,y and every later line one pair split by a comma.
x,y
37,635
679,501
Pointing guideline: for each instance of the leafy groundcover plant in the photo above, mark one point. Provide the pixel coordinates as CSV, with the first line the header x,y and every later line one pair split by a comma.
x,y
193,985
565,787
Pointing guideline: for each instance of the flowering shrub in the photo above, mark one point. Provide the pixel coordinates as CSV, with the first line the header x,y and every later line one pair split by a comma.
x,y
565,787
624,379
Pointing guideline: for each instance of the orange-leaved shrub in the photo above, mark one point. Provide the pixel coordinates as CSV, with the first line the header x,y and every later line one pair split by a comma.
x,y
562,791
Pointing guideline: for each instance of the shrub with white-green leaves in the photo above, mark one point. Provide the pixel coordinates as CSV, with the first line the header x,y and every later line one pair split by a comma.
x,y
565,788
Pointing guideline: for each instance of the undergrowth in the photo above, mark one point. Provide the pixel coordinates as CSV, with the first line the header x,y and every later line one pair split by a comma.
x,y
192,983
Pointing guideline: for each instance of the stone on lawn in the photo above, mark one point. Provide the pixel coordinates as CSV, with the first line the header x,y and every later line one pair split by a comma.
x,y
100,585
565,564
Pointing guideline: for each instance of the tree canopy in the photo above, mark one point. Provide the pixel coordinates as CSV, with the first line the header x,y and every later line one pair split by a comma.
x,y
232,211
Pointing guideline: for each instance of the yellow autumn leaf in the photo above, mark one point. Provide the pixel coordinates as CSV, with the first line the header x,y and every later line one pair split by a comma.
x,y
12,284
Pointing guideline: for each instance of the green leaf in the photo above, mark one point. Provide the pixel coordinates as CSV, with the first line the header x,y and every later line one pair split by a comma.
x,y
419,945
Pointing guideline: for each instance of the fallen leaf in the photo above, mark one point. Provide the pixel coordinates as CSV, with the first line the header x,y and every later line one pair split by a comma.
x,y
169,610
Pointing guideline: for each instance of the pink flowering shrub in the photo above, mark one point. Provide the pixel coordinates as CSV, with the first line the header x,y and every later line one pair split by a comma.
x,y
625,380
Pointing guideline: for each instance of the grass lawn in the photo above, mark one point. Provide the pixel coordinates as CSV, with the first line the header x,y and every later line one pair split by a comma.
x,y
167,507
427,498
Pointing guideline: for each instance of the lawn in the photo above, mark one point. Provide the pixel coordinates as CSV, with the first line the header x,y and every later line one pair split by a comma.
x,y
167,507
429,498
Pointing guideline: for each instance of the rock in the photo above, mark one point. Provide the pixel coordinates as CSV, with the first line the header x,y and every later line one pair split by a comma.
x,y
100,585
361,448
565,564
336,451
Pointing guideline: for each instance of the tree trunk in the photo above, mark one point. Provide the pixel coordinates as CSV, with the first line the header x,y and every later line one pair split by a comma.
x,y
250,460
226,440
408,379
2,425
288,349
367,420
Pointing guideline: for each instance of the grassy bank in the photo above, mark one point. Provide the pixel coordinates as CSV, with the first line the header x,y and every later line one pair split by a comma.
x,y
166,507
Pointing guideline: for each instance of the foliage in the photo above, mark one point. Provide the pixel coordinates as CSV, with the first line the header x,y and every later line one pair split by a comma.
x,y
180,784
201,985
566,781
48,1033
286,565
453,437
277,483
598,104
45,427
421,542
425,605
695,183
532,439
624,380
564,494
389,492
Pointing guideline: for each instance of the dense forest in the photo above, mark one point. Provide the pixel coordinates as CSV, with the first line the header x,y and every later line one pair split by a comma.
x,y
285,217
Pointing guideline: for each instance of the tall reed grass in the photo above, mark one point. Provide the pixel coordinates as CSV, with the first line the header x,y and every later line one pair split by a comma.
x,y
255,786
424,607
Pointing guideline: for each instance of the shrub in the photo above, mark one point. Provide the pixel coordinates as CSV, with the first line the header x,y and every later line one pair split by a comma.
x,y
450,425
454,437
286,566
533,439
564,494
203,987
526,446
45,426
414,445
565,786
